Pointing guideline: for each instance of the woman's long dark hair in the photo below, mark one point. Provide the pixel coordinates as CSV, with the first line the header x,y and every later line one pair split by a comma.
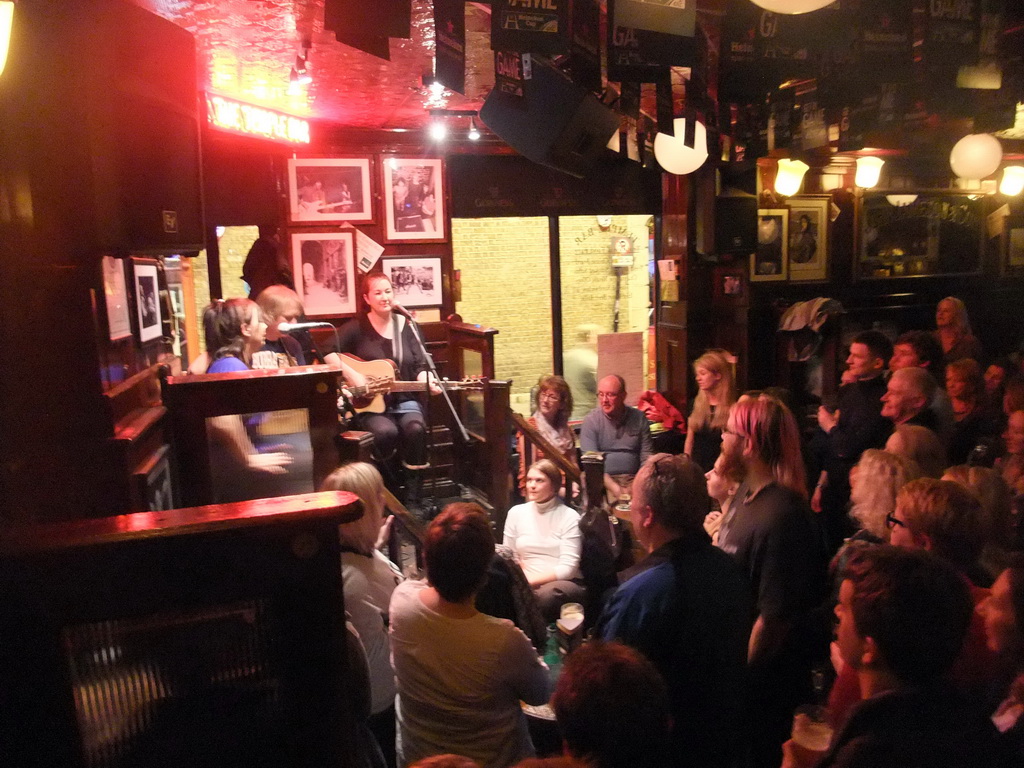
x,y
222,327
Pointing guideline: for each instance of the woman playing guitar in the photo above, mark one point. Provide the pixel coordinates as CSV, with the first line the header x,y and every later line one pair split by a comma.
x,y
382,334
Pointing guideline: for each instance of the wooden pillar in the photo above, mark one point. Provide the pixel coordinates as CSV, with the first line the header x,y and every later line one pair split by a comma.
x,y
671,299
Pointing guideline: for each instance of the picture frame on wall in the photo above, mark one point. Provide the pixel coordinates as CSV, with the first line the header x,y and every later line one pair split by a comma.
x,y
147,298
770,260
808,238
415,281
414,200
329,190
729,286
119,319
323,264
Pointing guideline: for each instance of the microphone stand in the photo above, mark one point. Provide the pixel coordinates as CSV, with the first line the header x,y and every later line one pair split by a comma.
x,y
433,371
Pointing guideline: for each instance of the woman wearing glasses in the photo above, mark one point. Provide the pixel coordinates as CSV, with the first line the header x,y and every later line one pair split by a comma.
x,y
551,419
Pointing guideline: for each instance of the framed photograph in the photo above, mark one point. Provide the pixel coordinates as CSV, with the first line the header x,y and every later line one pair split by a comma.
x,y
729,285
119,319
1013,246
323,190
324,267
413,190
147,299
416,281
769,262
808,238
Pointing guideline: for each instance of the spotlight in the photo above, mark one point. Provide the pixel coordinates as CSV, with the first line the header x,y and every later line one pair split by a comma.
x,y
474,133
302,76
6,22
790,176
869,169
438,131
1013,180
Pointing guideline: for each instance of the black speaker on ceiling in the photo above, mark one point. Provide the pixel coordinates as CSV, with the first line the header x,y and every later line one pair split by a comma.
x,y
555,123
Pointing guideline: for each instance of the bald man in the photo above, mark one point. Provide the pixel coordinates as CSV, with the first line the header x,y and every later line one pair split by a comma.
x,y
620,432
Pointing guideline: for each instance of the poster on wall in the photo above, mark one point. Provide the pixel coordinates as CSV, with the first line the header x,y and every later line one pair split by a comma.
x,y
530,27
324,267
415,281
413,200
146,303
119,320
769,261
326,190
808,238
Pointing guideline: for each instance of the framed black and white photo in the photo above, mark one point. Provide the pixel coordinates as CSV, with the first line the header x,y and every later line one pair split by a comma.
x,y
415,281
119,320
808,238
413,190
147,300
769,261
325,190
324,267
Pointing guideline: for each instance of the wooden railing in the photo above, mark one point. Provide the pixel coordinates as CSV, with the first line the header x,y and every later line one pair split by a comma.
x,y
533,439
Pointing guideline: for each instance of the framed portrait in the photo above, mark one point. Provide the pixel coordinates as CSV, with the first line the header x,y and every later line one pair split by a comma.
x,y
324,190
729,286
119,319
147,299
413,190
416,281
769,261
808,238
324,267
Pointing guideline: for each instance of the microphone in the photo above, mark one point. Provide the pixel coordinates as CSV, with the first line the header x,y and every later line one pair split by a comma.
x,y
289,327
395,307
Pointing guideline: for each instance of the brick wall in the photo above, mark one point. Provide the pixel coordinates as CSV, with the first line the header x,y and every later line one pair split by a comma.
x,y
234,246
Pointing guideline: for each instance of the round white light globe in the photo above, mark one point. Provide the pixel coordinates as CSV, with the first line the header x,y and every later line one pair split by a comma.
x,y
676,157
791,7
976,156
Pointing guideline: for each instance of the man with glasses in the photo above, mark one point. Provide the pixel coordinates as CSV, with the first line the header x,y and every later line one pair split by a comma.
x,y
687,608
621,432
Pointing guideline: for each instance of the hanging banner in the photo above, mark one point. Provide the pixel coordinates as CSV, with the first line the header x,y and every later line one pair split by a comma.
x,y
450,36
585,45
670,17
361,19
886,39
530,26
951,35
511,70
641,56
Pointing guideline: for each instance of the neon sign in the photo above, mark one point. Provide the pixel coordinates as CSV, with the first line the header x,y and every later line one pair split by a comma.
x,y
230,115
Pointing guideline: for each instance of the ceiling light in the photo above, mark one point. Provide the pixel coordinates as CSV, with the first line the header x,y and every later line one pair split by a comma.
x,y
6,22
901,201
672,153
790,176
474,132
438,131
868,171
976,156
791,7
1013,180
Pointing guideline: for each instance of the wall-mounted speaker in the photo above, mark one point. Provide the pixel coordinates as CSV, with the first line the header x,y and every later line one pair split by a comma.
x,y
555,123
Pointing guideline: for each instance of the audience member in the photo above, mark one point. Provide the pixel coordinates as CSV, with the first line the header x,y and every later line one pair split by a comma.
x,y
1003,612
903,617
368,580
612,708
544,534
875,481
996,376
460,674
267,263
687,608
716,392
772,536
973,424
847,432
620,432
445,761
953,330
1013,396
551,419
723,482
280,304
997,504
579,364
921,445
920,349
1011,464
907,396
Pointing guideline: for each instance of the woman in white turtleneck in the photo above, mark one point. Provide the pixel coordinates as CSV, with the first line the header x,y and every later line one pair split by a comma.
x,y
545,536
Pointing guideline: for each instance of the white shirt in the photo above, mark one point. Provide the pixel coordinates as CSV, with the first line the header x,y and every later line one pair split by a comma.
x,y
460,682
545,538
368,583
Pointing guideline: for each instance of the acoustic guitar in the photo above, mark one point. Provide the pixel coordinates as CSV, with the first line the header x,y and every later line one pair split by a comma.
x,y
382,378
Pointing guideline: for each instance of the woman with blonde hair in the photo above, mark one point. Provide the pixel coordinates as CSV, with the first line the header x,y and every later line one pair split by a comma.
x,y
716,392
921,445
997,503
874,482
551,419
953,330
368,580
